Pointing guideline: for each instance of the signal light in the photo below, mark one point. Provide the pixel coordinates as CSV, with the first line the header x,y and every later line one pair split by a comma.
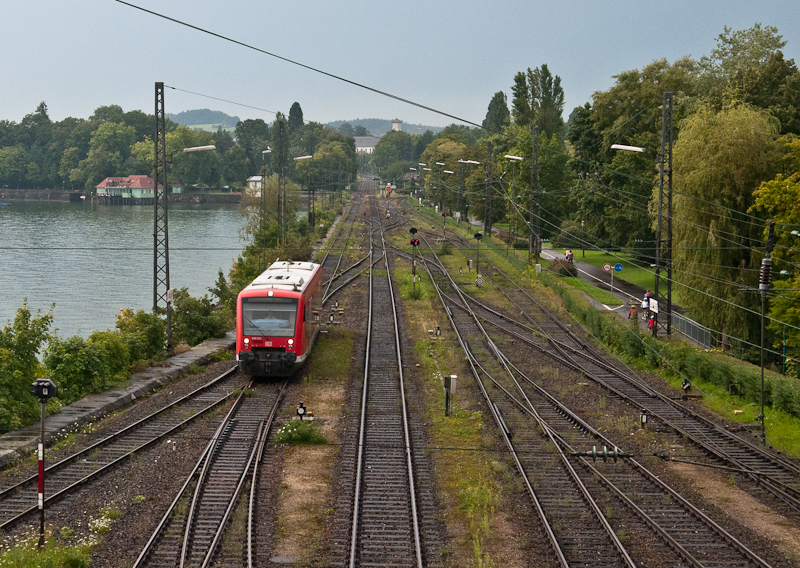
x,y
415,242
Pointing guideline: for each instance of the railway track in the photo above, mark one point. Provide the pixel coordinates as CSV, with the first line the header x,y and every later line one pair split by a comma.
x,y
540,432
378,521
777,474
192,529
82,468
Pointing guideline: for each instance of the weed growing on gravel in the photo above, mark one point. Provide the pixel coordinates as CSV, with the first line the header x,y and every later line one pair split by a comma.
x,y
25,553
219,356
139,499
195,369
300,432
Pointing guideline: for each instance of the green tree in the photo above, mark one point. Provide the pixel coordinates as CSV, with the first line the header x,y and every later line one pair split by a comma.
x,y
295,117
253,135
539,99
20,344
195,319
720,158
109,148
13,164
346,129
497,115
235,166
773,85
778,200
740,50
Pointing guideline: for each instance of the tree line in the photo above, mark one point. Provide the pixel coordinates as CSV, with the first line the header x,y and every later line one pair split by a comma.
x,y
77,153
736,164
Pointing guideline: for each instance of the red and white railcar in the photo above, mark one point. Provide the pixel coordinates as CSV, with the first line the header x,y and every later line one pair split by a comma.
x,y
277,319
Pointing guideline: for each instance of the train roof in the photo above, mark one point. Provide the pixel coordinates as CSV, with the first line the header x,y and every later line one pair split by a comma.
x,y
285,275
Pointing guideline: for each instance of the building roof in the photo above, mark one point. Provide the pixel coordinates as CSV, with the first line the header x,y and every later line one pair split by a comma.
x,y
254,178
367,141
130,182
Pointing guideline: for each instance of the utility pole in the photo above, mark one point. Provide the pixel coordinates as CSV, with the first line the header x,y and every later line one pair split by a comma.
x,y
763,286
664,226
534,224
487,214
161,286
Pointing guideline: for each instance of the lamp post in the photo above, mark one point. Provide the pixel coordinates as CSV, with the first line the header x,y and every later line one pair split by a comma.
x,y
514,160
664,183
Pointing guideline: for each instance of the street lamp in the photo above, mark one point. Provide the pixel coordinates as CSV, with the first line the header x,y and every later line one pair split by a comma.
x,y
199,149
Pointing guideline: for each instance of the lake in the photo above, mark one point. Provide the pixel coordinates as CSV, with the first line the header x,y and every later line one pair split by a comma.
x,y
93,260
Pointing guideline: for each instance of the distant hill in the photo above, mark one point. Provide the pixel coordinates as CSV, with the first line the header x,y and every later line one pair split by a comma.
x,y
204,118
380,126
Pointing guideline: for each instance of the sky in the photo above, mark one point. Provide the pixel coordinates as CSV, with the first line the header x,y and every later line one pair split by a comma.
x,y
448,55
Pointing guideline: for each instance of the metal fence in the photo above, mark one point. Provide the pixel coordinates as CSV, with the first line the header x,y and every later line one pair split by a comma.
x,y
700,334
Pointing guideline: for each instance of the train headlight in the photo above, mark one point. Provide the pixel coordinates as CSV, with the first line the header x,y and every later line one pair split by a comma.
x,y
247,341
291,342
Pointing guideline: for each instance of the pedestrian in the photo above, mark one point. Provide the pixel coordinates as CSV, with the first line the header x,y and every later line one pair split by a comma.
x,y
569,256
632,312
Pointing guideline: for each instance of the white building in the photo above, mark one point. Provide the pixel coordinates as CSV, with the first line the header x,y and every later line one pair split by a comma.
x,y
397,125
366,144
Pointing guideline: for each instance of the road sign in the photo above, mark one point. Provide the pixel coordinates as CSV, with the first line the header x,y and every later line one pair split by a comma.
x,y
607,267
618,267
479,281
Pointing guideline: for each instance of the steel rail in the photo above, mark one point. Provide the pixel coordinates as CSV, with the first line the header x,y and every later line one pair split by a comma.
x,y
204,457
52,498
252,499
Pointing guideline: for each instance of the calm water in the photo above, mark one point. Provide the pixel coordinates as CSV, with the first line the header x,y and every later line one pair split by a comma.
x,y
92,260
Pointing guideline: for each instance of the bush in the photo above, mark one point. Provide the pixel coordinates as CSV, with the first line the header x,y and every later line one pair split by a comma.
x,y
144,333
20,343
194,319
77,366
563,268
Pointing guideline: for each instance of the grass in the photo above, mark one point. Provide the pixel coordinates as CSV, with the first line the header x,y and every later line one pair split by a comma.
x,y
593,292
300,432
52,555
634,272
332,356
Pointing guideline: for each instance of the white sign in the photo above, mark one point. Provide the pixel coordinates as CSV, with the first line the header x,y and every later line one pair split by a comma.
x,y
653,305
607,267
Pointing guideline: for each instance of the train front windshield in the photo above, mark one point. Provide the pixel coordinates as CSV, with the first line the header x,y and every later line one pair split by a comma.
x,y
269,317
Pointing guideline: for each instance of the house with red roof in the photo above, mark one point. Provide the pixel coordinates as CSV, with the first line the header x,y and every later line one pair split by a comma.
x,y
136,187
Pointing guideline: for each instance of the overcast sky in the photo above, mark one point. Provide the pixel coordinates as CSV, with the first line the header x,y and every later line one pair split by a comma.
x,y
449,55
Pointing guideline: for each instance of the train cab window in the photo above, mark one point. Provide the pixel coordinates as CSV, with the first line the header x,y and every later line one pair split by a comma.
x,y
269,317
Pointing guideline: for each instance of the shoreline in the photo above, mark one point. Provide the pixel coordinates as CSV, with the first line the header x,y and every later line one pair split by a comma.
x,y
74,196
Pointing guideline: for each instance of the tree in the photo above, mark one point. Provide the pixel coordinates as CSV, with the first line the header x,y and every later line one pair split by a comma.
x,y
497,116
346,129
778,200
359,131
235,165
13,164
539,99
109,148
20,344
295,117
740,50
253,136
773,85
720,158
110,113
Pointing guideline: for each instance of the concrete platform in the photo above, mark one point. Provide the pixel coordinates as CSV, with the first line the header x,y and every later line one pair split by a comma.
x,y
19,443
